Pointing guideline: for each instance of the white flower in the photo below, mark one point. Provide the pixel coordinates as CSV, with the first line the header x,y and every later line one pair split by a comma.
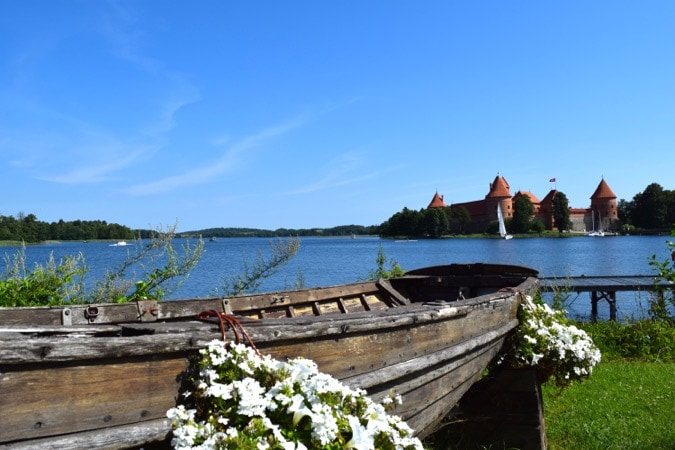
x,y
545,338
219,390
324,424
293,446
295,388
530,339
535,358
251,399
361,437
298,408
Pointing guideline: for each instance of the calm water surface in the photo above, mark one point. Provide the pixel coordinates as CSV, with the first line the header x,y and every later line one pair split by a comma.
x,y
330,261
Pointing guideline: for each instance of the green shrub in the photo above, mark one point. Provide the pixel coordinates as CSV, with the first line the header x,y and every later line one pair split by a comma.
x,y
53,283
381,272
648,340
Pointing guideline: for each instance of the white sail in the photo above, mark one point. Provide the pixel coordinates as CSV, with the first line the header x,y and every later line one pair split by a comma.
x,y
593,232
502,225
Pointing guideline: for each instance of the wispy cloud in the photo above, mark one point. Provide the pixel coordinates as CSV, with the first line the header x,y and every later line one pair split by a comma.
x,y
230,159
340,173
99,172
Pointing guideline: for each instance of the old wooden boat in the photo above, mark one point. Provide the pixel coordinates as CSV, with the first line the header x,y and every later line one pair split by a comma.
x,y
103,376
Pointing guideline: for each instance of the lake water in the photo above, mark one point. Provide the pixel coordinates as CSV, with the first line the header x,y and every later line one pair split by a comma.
x,y
330,261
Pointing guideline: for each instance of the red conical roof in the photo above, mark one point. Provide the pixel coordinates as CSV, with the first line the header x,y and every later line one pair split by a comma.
x,y
437,202
603,191
499,188
533,198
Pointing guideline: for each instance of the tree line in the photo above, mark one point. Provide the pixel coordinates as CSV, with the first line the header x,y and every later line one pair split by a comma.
x,y
27,228
342,230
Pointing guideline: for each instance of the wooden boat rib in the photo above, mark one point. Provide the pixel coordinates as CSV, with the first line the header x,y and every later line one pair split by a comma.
x,y
103,376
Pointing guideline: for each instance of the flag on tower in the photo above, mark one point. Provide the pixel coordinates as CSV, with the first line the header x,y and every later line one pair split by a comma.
x,y
552,180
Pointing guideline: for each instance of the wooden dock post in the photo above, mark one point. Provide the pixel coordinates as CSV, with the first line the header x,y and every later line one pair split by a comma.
x,y
596,296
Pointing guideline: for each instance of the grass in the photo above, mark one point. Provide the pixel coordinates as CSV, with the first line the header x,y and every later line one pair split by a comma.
x,y
623,405
629,400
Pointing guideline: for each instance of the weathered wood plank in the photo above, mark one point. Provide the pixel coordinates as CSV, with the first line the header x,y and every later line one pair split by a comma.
x,y
116,313
53,400
396,297
606,283
424,404
113,438
423,363
185,336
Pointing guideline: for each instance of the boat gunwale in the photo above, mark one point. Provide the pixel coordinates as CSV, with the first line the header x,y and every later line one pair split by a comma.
x,y
181,310
55,345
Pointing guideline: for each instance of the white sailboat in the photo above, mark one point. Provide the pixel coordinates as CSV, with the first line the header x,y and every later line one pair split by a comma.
x,y
594,233
502,225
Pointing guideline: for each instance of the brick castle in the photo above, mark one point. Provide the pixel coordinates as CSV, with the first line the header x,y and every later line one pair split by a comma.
x,y
601,215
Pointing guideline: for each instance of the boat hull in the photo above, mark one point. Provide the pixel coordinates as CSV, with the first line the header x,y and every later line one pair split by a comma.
x,y
110,385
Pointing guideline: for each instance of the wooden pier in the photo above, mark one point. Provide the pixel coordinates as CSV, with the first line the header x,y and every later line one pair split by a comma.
x,y
605,287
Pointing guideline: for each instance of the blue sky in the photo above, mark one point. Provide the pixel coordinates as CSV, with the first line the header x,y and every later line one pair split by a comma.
x,y
304,114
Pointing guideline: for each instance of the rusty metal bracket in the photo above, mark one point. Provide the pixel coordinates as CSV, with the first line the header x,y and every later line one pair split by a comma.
x,y
66,317
147,310
91,313
227,308
280,299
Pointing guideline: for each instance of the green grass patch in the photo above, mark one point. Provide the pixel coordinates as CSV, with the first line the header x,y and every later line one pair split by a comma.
x,y
623,405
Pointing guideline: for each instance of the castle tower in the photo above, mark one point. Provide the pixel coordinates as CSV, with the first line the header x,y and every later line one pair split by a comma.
x,y
603,207
546,210
437,201
499,193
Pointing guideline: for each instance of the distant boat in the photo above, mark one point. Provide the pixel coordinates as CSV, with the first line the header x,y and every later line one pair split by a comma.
x,y
502,225
120,244
593,232
213,239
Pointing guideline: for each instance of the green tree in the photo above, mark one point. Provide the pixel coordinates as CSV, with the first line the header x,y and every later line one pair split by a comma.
x,y
435,222
537,226
651,208
403,223
624,211
561,212
523,210
461,216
